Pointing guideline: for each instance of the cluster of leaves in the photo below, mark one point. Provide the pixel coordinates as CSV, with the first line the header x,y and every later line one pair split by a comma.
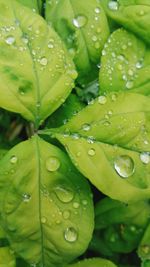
x,y
75,133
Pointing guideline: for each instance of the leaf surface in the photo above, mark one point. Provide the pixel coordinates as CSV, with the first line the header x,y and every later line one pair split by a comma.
x,y
46,204
7,259
36,73
95,262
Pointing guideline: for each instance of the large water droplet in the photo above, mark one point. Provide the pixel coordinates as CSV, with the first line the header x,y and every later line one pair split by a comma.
x,y
13,160
64,194
43,61
52,164
26,197
113,5
79,21
145,157
10,40
124,166
70,234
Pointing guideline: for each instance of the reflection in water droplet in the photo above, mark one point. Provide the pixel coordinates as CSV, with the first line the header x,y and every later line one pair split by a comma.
x,y
13,159
43,61
124,166
113,5
145,157
64,194
70,234
26,197
79,21
10,40
91,152
86,127
66,214
102,100
52,164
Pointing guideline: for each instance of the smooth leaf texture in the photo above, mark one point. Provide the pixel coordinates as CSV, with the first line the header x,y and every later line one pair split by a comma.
x,y
125,64
108,141
84,29
133,15
7,259
95,262
35,5
36,72
46,205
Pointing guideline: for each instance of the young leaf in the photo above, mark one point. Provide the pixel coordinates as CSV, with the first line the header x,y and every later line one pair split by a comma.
x,y
7,259
46,205
109,141
134,15
95,262
125,66
36,73
83,28
144,246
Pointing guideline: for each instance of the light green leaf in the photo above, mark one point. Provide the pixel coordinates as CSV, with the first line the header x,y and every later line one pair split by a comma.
x,y
35,5
7,259
144,246
93,262
46,205
125,66
36,73
83,28
134,15
109,142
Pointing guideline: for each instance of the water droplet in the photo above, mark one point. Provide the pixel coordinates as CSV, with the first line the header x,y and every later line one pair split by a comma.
x,y
76,205
86,127
43,61
102,100
97,10
113,5
94,38
124,166
70,234
79,21
50,45
13,159
73,74
142,13
64,194
129,84
138,65
130,72
26,197
43,220
10,40
145,157
84,202
66,214
25,39
52,164
91,152
103,53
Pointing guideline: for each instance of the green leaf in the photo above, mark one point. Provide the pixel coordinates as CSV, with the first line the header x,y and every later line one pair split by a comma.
x,y
144,246
125,66
7,258
95,262
83,28
36,73
35,5
46,205
134,15
109,142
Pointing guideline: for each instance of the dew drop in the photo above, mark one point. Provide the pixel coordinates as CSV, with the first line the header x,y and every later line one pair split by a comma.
x,y
97,10
26,197
43,220
70,234
84,202
65,195
50,45
138,65
91,152
145,157
113,5
129,84
124,166
86,127
52,164
10,40
43,61
102,100
66,214
25,39
79,21
13,160
76,205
